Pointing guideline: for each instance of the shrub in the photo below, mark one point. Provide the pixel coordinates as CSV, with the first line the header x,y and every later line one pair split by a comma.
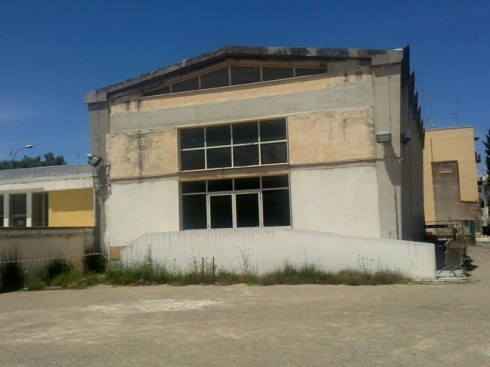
x,y
56,268
35,284
94,263
11,273
142,273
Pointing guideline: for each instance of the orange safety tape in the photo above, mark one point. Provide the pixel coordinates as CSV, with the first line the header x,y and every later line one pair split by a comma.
x,y
52,258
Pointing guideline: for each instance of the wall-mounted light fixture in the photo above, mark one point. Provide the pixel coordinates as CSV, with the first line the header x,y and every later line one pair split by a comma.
x,y
93,160
405,137
383,137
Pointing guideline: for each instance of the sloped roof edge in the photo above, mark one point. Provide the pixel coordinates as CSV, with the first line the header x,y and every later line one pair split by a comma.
x,y
50,173
100,94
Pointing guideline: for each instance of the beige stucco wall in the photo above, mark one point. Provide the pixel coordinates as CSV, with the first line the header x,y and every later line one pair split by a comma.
x,y
143,153
140,207
451,144
338,200
71,208
217,95
331,136
245,102
142,147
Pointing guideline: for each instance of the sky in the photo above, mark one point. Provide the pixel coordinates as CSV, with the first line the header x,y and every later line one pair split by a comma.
x,y
54,52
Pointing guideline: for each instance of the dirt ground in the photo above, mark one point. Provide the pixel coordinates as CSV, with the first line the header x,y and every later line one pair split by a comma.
x,y
437,324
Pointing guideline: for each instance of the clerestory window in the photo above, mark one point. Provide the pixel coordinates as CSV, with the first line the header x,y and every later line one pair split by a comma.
x,y
234,145
236,203
235,75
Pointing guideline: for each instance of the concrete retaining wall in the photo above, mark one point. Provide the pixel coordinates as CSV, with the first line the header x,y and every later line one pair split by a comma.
x,y
40,243
269,248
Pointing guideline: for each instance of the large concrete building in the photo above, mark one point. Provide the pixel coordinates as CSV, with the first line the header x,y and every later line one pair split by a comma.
x,y
257,140
450,179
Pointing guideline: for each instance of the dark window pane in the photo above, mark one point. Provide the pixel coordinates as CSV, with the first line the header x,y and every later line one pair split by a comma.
x,y
218,135
194,186
155,92
247,210
219,157
192,138
194,212
186,85
276,208
269,182
218,78
1,211
192,159
221,212
310,71
246,155
40,209
245,133
220,185
247,183
273,130
273,153
244,75
276,73
18,211
18,204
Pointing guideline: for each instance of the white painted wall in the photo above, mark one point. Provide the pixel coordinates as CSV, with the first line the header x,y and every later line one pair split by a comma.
x,y
139,207
269,248
338,200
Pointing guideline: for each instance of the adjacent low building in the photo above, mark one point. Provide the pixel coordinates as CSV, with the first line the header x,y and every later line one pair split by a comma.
x,y
46,211
243,143
58,196
450,179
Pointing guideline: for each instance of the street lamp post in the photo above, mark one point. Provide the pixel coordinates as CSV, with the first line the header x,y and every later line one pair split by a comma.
x,y
28,146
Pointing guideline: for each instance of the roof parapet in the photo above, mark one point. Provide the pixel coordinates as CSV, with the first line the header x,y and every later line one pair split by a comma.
x,y
378,57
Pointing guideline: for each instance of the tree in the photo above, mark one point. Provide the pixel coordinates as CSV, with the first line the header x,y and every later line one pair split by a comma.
x,y
27,162
487,153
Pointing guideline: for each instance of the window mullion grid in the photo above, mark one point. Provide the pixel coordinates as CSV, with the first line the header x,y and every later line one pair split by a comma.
x,y
233,210
261,210
232,145
208,210
205,149
259,144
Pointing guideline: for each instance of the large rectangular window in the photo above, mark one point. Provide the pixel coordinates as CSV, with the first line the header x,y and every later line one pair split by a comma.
x,y
18,210
234,203
234,145
1,211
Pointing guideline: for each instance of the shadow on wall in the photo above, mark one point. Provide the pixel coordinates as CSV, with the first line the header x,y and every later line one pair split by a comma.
x,y
392,164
